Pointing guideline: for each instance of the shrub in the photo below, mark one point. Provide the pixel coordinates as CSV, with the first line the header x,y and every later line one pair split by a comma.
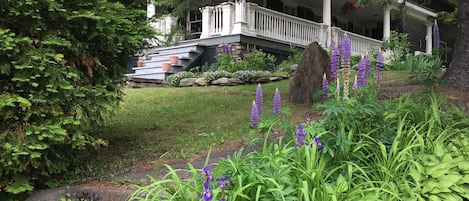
x,y
176,78
398,43
213,75
255,60
61,71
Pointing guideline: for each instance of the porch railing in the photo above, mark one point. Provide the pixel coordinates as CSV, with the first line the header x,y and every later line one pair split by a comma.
x,y
280,26
250,19
359,44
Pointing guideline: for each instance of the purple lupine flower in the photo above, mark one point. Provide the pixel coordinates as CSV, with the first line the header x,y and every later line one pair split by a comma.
x,y
222,183
308,118
334,62
259,99
355,84
300,136
208,174
436,35
207,193
254,115
276,105
325,87
368,65
379,66
345,51
361,73
317,140
222,199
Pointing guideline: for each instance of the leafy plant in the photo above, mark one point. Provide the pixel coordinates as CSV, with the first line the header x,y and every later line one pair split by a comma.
x,y
58,82
176,78
398,43
426,70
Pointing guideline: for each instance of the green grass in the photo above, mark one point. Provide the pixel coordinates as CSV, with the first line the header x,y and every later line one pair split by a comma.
x,y
154,125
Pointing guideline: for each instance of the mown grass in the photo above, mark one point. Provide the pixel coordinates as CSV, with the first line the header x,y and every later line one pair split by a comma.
x,y
153,125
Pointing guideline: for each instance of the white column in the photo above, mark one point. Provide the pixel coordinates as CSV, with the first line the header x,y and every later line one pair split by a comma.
x,y
150,10
227,20
429,37
251,19
387,22
240,17
206,19
326,20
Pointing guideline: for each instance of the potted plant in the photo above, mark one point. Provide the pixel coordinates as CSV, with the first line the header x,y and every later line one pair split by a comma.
x,y
166,67
173,59
140,62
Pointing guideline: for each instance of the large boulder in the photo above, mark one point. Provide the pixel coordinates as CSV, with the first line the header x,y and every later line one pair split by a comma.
x,y
307,78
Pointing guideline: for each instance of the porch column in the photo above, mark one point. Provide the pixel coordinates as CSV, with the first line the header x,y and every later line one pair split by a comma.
x,y
240,17
150,10
326,20
429,37
227,20
206,19
387,22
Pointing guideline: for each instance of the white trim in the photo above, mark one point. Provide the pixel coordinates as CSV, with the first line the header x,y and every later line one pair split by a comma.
x,y
415,10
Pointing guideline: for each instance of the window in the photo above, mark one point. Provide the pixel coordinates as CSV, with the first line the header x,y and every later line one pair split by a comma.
x,y
194,24
305,13
289,10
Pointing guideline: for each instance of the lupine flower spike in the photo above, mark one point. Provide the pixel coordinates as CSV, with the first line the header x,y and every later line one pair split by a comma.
x,y
345,56
300,136
368,65
308,118
379,66
317,140
222,183
254,115
334,62
207,193
361,72
325,87
208,174
436,35
259,99
276,105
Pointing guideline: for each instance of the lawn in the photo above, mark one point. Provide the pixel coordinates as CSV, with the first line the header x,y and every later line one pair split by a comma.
x,y
157,124
154,125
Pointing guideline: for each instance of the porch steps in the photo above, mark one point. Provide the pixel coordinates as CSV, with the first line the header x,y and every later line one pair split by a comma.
x,y
152,68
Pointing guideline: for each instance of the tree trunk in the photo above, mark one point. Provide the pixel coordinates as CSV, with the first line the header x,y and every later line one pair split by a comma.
x,y
457,74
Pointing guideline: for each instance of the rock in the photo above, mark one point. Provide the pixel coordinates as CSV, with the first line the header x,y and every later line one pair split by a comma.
x,y
273,79
262,80
307,79
220,81
187,82
234,82
200,81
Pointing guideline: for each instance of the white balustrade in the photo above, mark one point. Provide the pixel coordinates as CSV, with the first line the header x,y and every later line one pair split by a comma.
x,y
280,26
266,23
359,44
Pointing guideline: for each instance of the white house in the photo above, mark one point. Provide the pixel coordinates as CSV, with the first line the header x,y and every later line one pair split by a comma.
x,y
275,25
